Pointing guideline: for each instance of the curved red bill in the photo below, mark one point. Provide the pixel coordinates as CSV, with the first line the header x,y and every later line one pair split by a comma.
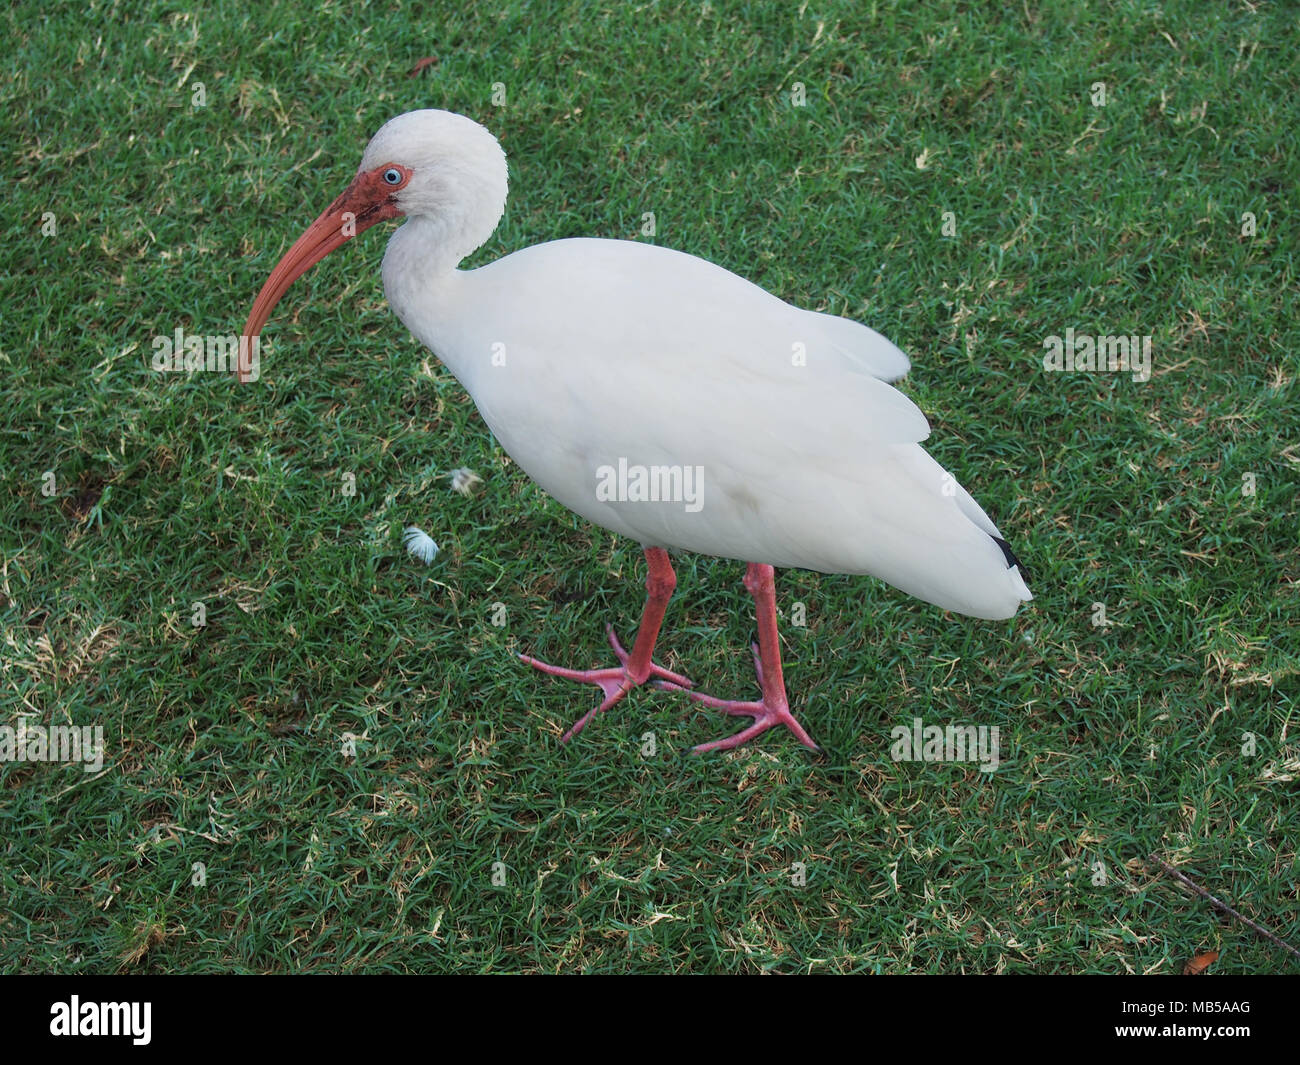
x,y
369,199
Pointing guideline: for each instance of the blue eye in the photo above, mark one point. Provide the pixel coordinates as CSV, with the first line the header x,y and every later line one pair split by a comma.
x,y
393,176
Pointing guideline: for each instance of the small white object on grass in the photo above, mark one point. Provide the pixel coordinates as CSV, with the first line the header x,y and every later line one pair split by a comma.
x,y
420,544
464,480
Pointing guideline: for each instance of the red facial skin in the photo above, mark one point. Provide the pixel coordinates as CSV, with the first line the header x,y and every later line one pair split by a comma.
x,y
369,199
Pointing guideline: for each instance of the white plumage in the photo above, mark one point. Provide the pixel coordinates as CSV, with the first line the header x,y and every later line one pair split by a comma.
x,y
585,356
579,352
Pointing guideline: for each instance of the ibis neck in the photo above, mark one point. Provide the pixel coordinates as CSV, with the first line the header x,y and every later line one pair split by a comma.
x,y
425,246
421,282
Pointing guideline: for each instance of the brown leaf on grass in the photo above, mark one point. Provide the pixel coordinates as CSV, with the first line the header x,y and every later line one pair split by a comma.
x,y
422,65
1200,962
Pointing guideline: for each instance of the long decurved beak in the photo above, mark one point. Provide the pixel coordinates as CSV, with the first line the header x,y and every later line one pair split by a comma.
x,y
362,204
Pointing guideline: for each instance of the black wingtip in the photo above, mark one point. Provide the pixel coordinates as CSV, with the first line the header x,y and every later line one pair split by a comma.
x,y
1011,557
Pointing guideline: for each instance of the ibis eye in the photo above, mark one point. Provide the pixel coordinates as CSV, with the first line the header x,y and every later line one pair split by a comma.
x,y
393,176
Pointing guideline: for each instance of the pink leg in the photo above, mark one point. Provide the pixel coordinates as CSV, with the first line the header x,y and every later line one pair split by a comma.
x,y
773,709
636,668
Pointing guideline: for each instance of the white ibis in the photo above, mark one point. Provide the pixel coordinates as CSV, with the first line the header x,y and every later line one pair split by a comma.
x,y
665,398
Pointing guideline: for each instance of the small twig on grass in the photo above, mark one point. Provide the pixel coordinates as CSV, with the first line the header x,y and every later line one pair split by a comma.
x,y
1221,905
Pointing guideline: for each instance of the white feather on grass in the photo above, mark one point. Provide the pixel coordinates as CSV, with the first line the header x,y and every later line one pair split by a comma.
x,y
464,480
420,544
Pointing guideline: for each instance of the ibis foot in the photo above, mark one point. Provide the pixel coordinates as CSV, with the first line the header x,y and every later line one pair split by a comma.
x,y
638,667
772,710
615,681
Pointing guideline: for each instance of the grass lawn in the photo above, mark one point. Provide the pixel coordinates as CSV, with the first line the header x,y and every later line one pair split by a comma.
x,y
158,162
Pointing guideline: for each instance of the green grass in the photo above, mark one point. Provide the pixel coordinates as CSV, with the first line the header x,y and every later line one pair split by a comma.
x,y
224,742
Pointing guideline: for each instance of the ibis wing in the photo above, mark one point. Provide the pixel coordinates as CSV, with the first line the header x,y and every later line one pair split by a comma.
x,y
652,355
860,346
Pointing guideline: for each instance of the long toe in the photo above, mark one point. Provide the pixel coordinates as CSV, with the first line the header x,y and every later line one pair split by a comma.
x,y
613,681
765,717
771,710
